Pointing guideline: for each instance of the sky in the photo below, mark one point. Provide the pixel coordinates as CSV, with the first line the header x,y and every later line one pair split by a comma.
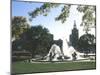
x,y
59,30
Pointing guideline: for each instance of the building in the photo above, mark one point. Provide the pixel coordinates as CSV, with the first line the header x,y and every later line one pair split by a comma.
x,y
21,55
74,36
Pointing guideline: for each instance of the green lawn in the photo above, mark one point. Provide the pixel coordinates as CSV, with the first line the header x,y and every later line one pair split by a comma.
x,y
21,67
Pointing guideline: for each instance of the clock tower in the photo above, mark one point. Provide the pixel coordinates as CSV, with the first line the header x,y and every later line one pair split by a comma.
x,y
74,36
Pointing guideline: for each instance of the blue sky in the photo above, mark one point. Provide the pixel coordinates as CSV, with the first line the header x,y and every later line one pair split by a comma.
x,y
58,29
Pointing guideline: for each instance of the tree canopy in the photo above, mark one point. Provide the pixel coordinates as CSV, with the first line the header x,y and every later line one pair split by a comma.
x,y
87,43
36,39
47,7
19,25
88,18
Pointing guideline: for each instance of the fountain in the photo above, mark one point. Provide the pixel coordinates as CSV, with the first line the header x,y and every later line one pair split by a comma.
x,y
67,51
55,53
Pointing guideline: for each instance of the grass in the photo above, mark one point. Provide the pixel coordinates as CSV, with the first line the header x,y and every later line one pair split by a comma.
x,y
22,67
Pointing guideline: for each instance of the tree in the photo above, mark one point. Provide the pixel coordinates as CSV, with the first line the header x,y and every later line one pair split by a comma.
x,y
17,45
37,40
88,18
19,25
47,7
86,43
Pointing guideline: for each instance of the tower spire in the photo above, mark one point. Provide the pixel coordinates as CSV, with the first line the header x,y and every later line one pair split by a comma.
x,y
74,24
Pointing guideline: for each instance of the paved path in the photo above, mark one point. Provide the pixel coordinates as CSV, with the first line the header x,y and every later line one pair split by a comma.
x,y
64,61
